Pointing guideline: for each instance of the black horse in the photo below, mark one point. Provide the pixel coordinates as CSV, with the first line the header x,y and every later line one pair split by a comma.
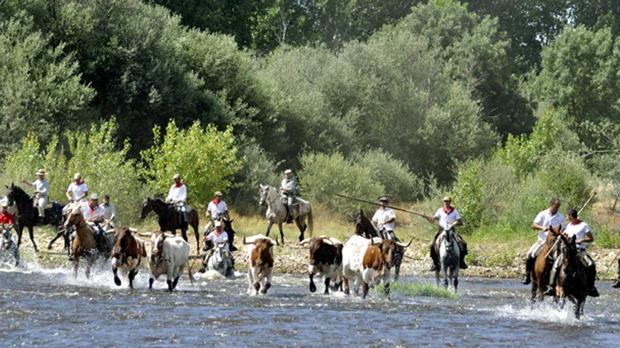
x,y
169,219
365,228
27,216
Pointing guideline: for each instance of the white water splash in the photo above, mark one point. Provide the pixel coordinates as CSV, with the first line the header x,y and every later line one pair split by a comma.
x,y
544,313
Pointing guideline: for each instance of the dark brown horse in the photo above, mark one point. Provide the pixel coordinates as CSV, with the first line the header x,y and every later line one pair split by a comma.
x,y
28,216
572,278
169,219
542,266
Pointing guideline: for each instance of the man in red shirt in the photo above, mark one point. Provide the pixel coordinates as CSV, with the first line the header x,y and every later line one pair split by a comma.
x,y
5,217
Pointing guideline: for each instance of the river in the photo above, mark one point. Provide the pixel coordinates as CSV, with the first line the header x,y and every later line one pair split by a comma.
x,y
49,307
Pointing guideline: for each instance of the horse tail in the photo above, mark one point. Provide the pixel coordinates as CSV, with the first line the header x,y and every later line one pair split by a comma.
x,y
310,221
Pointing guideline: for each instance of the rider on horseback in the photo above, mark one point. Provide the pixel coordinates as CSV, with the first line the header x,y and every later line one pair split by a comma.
x,y
6,218
41,189
288,187
384,219
583,235
177,196
77,190
216,210
447,217
94,215
109,212
217,236
546,219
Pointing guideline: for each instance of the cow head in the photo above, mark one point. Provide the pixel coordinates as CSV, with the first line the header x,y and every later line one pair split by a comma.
x,y
157,245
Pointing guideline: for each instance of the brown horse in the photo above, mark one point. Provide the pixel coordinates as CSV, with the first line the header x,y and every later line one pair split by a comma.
x,y
84,244
542,266
572,278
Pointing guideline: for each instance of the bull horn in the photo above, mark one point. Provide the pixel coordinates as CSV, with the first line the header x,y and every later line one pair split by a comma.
x,y
246,243
305,241
328,241
334,241
145,235
405,245
133,230
274,242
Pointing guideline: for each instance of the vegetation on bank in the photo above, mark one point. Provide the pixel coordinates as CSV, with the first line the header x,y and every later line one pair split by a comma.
x,y
414,99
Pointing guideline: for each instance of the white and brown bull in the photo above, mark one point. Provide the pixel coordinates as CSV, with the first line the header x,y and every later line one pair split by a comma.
x,y
325,259
259,253
367,262
169,254
127,254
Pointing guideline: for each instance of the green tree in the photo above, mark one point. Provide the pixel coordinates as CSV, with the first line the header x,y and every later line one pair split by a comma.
x,y
205,157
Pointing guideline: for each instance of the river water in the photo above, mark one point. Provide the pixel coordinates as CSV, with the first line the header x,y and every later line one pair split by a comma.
x,y
49,307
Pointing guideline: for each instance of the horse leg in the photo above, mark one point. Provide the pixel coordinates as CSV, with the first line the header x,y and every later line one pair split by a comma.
x,y
184,233
58,235
456,281
132,275
281,232
345,285
75,265
365,287
151,281
117,280
326,292
197,234
31,233
19,235
301,226
268,228
312,286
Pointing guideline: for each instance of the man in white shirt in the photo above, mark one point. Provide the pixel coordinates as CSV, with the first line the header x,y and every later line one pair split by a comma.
x,y
447,217
177,196
583,235
94,215
217,236
288,188
109,214
384,219
216,210
546,219
41,191
77,190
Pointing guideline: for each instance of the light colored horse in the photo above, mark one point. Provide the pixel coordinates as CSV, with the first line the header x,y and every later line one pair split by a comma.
x,y
276,212
449,258
220,260
9,253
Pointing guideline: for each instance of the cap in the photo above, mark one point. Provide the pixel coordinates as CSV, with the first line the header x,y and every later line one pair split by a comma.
x,y
94,197
218,194
176,176
77,176
288,171
447,199
217,223
40,172
384,198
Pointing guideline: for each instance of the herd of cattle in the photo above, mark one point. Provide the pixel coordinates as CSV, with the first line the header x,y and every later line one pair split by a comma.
x,y
360,261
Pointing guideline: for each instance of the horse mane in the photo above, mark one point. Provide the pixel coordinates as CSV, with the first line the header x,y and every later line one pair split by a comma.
x,y
19,192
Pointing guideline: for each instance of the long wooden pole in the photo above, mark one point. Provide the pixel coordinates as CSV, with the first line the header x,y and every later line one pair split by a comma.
x,y
380,205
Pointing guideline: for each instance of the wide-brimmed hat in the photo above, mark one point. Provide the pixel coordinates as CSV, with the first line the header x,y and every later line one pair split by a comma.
x,y
77,176
218,194
288,171
4,203
384,198
217,223
94,197
40,172
447,199
176,176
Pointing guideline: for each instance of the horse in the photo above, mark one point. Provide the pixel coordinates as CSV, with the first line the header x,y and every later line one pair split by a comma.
x,y
9,253
27,215
542,266
229,231
168,218
276,212
85,245
449,258
219,259
572,278
365,228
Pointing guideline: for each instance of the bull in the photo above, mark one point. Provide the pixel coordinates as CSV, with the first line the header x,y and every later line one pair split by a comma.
x,y
169,254
325,259
259,255
127,254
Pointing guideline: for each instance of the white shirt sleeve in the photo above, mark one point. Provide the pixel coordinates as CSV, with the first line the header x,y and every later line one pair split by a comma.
x,y
375,218
457,215
437,215
540,218
224,207
170,193
390,215
182,196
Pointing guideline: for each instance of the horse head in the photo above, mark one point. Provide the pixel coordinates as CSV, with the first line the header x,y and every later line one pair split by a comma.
x,y
16,195
74,215
147,207
266,194
364,227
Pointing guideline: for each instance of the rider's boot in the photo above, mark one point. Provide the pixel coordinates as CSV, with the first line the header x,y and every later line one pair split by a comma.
x,y
529,267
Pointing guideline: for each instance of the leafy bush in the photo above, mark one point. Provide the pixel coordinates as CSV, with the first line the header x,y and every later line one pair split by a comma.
x,y
205,157
469,195
395,176
324,175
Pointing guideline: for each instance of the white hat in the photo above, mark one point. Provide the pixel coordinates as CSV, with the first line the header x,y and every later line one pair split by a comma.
x,y
4,203
218,194
94,197
77,176
218,223
288,171
176,176
40,172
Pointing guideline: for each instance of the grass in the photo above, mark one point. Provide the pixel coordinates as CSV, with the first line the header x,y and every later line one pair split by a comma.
x,y
424,289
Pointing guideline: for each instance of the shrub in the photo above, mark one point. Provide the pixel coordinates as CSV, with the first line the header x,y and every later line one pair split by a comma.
x,y
468,194
205,157
323,175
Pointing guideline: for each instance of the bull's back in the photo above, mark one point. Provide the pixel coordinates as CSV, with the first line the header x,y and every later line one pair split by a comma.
x,y
353,253
177,250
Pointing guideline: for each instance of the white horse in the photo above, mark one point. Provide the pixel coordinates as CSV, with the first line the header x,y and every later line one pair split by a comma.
x,y
276,211
219,259
449,258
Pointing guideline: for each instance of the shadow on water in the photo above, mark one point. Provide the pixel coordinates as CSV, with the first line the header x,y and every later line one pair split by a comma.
x,y
51,307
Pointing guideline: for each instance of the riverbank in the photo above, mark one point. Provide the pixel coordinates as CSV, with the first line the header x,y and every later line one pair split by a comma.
x,y
490,256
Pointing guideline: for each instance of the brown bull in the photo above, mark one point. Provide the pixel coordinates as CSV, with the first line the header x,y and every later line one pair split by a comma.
x,y
127,253
325,259
260,262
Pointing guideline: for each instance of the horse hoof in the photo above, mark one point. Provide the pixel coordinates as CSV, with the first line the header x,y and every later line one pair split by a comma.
x,y
117,281
312,287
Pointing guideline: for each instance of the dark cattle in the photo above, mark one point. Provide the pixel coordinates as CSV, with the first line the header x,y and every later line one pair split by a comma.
x,y
325,259
127,253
